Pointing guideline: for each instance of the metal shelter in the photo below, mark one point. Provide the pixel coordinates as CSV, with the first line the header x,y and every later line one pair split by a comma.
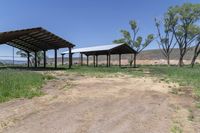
x,y
35,40
107,50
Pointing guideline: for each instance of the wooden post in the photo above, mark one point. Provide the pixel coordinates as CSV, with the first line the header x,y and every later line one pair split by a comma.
x,y
81,59
44,59
70,57
55,51
119,60
62,59
96,60
87,60
36,60
107,61
28,59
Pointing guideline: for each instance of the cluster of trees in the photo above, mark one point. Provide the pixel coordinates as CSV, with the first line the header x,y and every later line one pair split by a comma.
x,y
178,28
40,56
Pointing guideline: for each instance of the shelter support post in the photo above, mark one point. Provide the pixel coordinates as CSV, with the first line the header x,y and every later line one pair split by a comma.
x,y
44,56
81,59
107,60
87,60
120,57
36,60
28,59
55,52
62,59
70,57
96,60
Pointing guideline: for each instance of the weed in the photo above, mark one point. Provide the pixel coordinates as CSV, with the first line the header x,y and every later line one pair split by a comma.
x,y
176,129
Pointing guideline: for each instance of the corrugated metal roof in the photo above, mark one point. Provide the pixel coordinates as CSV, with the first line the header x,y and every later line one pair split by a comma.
x,y
94,48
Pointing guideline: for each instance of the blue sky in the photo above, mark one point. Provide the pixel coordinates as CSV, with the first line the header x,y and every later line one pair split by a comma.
x,y
83,22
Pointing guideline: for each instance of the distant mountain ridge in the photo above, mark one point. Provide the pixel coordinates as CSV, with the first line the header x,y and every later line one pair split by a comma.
x,y
156,54
11,62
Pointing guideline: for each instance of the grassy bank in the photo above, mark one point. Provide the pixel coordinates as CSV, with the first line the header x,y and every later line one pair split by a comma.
x,y
19,84
185,76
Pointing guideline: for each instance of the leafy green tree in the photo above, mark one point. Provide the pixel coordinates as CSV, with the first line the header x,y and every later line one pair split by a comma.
x,y
183,26
166,38
136,42
24,54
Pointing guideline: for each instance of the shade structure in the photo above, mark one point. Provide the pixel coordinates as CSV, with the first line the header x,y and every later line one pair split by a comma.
x,y
121,48
107,50
33,40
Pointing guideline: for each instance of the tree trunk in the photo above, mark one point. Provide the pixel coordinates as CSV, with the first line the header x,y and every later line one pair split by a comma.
x,y
180,63
131,61
135,55
196,54
168,60
193,61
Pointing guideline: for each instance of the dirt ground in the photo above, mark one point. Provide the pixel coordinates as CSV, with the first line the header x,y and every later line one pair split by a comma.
x,y
81,104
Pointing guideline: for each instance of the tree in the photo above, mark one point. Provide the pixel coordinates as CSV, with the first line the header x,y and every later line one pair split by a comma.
x,y
165,42
183,26
40,56
136,42
196,51
24,54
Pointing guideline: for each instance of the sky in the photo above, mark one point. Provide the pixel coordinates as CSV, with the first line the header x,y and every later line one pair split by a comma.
x,y
83,22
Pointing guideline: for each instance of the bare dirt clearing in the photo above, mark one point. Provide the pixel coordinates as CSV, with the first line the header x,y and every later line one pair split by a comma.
x,y
81,104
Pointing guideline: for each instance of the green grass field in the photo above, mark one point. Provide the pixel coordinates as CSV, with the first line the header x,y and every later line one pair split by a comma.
x,y
19,84
185,76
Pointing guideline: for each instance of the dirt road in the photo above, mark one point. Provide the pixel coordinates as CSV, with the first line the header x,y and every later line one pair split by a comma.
x,y
79,104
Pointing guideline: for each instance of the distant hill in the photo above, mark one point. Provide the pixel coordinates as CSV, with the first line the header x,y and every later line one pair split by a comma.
x,y
11,62
156,54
